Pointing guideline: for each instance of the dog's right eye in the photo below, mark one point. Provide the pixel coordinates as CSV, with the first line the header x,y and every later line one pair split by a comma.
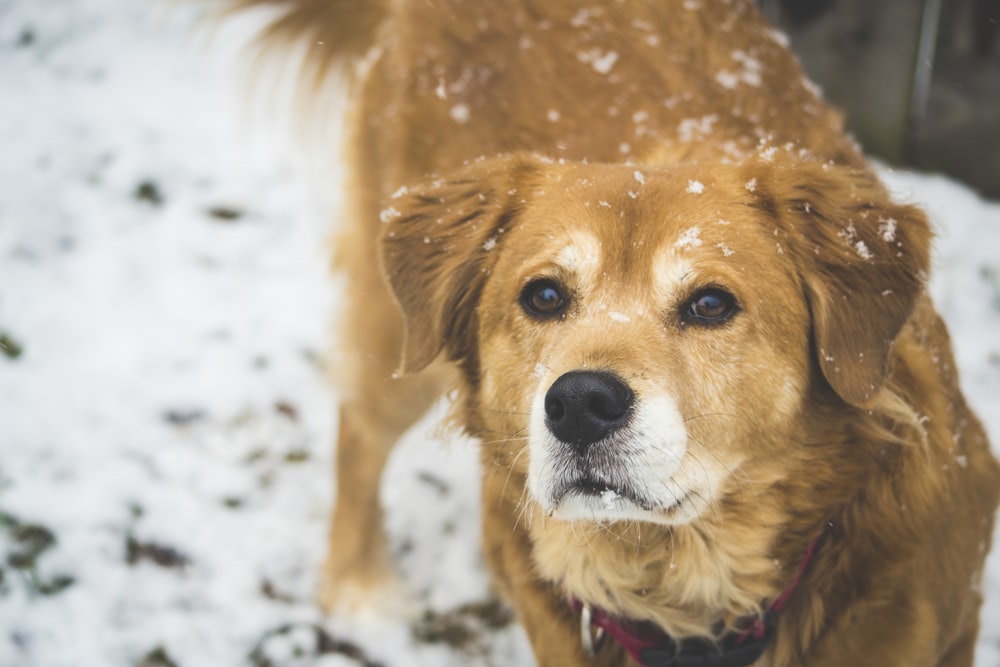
x,y
543,298
710,306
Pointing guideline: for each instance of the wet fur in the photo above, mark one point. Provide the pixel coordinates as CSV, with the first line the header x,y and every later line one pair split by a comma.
x,y
482,144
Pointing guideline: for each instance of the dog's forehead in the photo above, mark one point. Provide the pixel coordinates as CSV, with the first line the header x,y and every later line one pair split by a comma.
x,y
657,222
617,202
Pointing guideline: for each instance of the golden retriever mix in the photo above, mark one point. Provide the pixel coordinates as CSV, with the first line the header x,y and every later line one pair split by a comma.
x,y
720,419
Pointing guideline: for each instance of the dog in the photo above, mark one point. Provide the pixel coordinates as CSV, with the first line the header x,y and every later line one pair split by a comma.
x,y
720,420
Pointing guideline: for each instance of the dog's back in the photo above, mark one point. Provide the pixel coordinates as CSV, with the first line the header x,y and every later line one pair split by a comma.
x,y
454,81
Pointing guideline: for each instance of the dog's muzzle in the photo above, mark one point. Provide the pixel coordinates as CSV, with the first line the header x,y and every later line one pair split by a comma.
x,y
600,452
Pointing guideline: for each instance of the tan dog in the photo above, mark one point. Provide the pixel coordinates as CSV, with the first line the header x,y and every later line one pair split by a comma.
x,y
688,324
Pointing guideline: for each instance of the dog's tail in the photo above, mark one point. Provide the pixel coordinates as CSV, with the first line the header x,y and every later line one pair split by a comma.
x,y
330,33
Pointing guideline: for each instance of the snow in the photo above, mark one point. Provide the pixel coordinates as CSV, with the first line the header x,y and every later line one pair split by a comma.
x,y
601,61
389,213
581,18
165,424
691,238
692,129
749,73
727,79
779,37
752,68
726,250
610,498
767,154
887,229
460,113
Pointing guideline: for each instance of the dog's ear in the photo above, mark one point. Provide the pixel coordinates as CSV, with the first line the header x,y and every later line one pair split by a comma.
x,y
865,262
439,245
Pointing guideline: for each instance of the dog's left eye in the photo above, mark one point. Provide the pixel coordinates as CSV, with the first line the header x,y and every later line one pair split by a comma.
x,y
710,306
543,298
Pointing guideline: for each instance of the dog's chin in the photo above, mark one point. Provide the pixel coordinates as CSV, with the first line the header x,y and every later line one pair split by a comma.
x,y
602,504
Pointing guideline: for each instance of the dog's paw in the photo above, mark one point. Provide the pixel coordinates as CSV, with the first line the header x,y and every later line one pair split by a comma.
x,y
372,595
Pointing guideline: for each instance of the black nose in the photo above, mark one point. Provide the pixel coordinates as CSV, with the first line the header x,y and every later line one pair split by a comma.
x,y
583,407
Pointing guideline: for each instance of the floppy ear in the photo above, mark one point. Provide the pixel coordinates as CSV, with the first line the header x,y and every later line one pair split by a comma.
x,y
438,248
865,264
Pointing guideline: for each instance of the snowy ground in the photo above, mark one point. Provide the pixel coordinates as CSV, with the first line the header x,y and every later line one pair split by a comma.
x,y
165,428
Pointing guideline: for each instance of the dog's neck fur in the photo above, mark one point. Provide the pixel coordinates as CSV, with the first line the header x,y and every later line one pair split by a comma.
x,y
684,579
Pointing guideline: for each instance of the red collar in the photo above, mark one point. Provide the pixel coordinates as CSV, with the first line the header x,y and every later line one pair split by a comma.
x,y
648,645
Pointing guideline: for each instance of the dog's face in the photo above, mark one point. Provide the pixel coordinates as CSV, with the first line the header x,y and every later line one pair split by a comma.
x,y
649,337
637,325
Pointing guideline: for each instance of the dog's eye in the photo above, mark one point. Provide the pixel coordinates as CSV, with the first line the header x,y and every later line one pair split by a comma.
x,y
543,298
710,306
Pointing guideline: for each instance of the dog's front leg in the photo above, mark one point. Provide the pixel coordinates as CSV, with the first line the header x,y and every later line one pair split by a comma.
x,y
357,570
358,575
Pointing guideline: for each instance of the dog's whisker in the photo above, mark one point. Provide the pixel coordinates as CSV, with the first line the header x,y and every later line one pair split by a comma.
x,y
503,440
504,411
510,470
707,415
737,474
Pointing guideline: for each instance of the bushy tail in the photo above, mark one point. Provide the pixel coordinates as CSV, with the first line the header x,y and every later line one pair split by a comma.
x,y
330,33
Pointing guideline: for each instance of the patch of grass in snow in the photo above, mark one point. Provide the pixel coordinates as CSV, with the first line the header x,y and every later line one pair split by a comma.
x,y
158,657
466,628
225,213
271,592
296,456
287,410
9,346
989,275
29,541
148,192
26,542
299,644
183,416
137,551
26,38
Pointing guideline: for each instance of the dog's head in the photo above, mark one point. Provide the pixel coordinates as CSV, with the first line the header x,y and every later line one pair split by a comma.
x,y
648,332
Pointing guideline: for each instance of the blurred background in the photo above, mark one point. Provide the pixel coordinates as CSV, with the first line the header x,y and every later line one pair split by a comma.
x,y
919,80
